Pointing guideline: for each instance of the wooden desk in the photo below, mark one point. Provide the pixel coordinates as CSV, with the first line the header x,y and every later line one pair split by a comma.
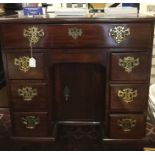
x,y
90,83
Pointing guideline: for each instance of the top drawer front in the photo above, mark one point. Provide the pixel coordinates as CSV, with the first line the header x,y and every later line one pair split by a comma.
x,y
78,35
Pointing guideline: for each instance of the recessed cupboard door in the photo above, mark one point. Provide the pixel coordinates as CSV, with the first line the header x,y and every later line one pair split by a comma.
x,y
79,90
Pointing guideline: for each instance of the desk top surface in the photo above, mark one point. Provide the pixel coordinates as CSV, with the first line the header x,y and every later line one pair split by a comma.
x,y
91,18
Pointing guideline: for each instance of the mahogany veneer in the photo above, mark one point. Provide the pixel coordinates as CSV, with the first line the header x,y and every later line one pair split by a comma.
x,y
91,78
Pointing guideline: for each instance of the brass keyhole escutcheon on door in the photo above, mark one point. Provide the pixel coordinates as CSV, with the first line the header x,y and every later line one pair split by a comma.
x,y
119,33
66,94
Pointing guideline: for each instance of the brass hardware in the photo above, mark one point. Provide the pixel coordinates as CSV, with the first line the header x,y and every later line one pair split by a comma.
x,y
30,121
33,34
119,33
127,94
23,63
27,93
128,63
126,124
74,32
66,93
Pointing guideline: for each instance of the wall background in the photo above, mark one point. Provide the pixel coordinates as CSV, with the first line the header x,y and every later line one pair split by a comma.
x,y
146,8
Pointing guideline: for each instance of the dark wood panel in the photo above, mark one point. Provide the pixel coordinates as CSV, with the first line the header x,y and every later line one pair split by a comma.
x,y
77,56
15,72
79,91
133,97
39,129
33,99
130,66
2,78
93,35
127,130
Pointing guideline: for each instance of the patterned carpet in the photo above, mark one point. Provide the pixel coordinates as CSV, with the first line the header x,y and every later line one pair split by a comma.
x,y
4,124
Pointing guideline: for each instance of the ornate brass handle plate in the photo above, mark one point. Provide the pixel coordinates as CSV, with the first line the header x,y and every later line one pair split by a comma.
x,y
119,33
126,124
30,121
22,63
27,93
127,94
128,63
75,32
33,34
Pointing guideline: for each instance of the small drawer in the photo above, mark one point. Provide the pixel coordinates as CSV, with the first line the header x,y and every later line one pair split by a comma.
x,y
130,66
128,97
28,95
18,65
77,35
30,124
125,126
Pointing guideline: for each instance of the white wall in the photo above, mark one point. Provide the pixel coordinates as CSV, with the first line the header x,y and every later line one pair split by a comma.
x,y
149,9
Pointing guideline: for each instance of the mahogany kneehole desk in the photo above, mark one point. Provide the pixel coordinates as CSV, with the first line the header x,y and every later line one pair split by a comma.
x,y
91,79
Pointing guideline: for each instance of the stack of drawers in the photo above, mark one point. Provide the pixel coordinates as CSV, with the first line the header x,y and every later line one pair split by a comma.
x,y
124,49
27,87
129,84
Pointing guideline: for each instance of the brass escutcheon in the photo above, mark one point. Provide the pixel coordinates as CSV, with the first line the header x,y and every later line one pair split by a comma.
x,y
119,33
22,63
30,121
127,94
126,124
128,63
75,32
33,34
27,93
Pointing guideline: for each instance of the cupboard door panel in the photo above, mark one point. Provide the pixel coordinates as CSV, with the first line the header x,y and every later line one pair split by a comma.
x,y
79,91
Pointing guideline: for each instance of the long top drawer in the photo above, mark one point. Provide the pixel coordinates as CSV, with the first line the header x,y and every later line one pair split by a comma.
x,y
77,35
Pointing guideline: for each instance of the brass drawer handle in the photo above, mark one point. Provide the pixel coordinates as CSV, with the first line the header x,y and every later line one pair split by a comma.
x,y
22,63
30,121
127,94
126,124
119,33
128,63
75,32
33,34
27,93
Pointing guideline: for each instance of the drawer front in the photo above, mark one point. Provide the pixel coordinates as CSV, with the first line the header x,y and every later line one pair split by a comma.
x,y
128,97
28,95
130,66
18,66
77,35
127,126
30,124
